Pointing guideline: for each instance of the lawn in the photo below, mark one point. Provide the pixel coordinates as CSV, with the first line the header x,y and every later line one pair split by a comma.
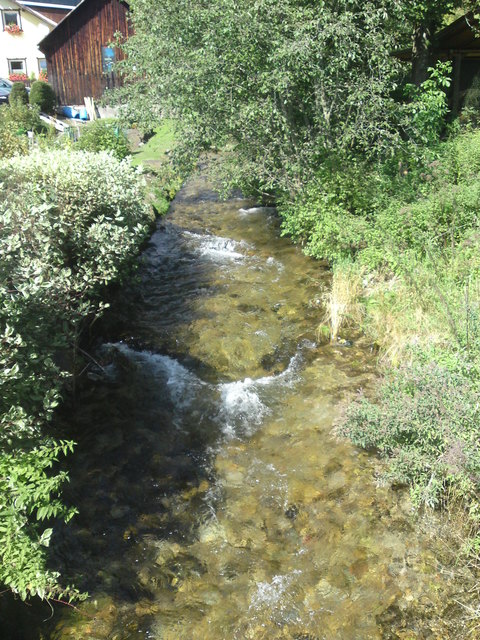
x,y
153,152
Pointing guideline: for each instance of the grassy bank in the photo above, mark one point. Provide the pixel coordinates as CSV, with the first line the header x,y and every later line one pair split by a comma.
x,y
154,155
404,244
155,151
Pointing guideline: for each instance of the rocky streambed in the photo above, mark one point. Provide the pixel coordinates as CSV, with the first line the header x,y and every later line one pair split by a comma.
x,y
215,503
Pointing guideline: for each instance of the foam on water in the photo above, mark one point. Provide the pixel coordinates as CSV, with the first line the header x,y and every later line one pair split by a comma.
x,y
238,407
269,594
253,210
241,408
273,262
182,385
216,247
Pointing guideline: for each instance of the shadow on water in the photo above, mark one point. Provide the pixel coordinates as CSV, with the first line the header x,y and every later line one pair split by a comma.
x,y
133,457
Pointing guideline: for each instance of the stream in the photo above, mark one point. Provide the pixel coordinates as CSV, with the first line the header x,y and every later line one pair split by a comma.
x,y
214,501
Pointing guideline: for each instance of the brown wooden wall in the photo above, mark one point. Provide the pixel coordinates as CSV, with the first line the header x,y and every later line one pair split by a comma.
x,y
74,50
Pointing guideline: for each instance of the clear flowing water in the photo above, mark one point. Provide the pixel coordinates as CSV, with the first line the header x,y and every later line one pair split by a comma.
x,y
214,501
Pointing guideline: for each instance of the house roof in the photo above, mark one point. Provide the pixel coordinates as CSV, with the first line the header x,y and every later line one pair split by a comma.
x,y
51,36
32,11
50,4
461,36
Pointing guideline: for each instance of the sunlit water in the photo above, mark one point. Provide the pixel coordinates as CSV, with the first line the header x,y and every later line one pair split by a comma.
x,y
215,503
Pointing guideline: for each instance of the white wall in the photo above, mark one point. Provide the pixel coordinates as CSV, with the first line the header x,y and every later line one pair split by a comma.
x,y
23,45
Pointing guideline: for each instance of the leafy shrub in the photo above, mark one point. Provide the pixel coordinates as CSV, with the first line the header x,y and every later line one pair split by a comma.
x,y
42,95
104,135
70,223
463,159
18,94
426,424
424,115
15,120
440,219
331,217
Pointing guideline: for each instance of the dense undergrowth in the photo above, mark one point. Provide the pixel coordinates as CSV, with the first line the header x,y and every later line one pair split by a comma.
x,y
71,223
404,244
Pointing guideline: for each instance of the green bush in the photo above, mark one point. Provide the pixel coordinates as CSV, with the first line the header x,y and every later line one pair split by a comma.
x,y
426,423
18,94
70,223
441,219
15,120
42,95
332,216
104,135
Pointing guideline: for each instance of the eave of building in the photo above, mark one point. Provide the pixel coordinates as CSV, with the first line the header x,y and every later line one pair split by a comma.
x,y
456,38
48,5
51,4
38,15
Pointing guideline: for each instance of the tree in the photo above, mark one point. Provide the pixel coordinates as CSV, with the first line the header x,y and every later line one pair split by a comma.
x,y
279,84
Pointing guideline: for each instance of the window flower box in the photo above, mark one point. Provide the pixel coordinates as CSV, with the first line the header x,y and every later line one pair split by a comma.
x,y
14,29
18,77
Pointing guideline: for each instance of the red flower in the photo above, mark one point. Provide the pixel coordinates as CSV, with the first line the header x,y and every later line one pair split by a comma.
x,y
13,29
18,77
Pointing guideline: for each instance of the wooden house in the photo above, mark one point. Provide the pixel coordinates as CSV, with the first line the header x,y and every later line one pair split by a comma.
x,y
459,42
79,50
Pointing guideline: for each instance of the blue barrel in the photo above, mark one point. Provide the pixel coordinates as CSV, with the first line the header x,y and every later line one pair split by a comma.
x,y
70,112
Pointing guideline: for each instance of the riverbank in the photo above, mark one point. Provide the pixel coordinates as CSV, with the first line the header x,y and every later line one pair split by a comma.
x,y
405,259
154,155
71,223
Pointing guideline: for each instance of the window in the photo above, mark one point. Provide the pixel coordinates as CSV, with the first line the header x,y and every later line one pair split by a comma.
x,y
11,19
108,58
17,66
42,65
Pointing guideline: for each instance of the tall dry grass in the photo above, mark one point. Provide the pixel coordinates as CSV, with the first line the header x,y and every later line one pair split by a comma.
x,y
343,302
395,312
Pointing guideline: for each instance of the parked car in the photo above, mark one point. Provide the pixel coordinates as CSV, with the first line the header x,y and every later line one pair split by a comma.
x,y
5,88
4,93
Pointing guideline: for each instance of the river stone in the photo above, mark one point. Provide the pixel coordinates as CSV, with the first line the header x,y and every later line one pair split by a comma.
x,y
212,532
190,493
166,552
231,473
303,492
245,536
101,614
146,608
119,511
233,478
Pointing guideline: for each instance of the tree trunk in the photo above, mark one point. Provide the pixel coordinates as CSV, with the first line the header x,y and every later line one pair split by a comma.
x,y
422,39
